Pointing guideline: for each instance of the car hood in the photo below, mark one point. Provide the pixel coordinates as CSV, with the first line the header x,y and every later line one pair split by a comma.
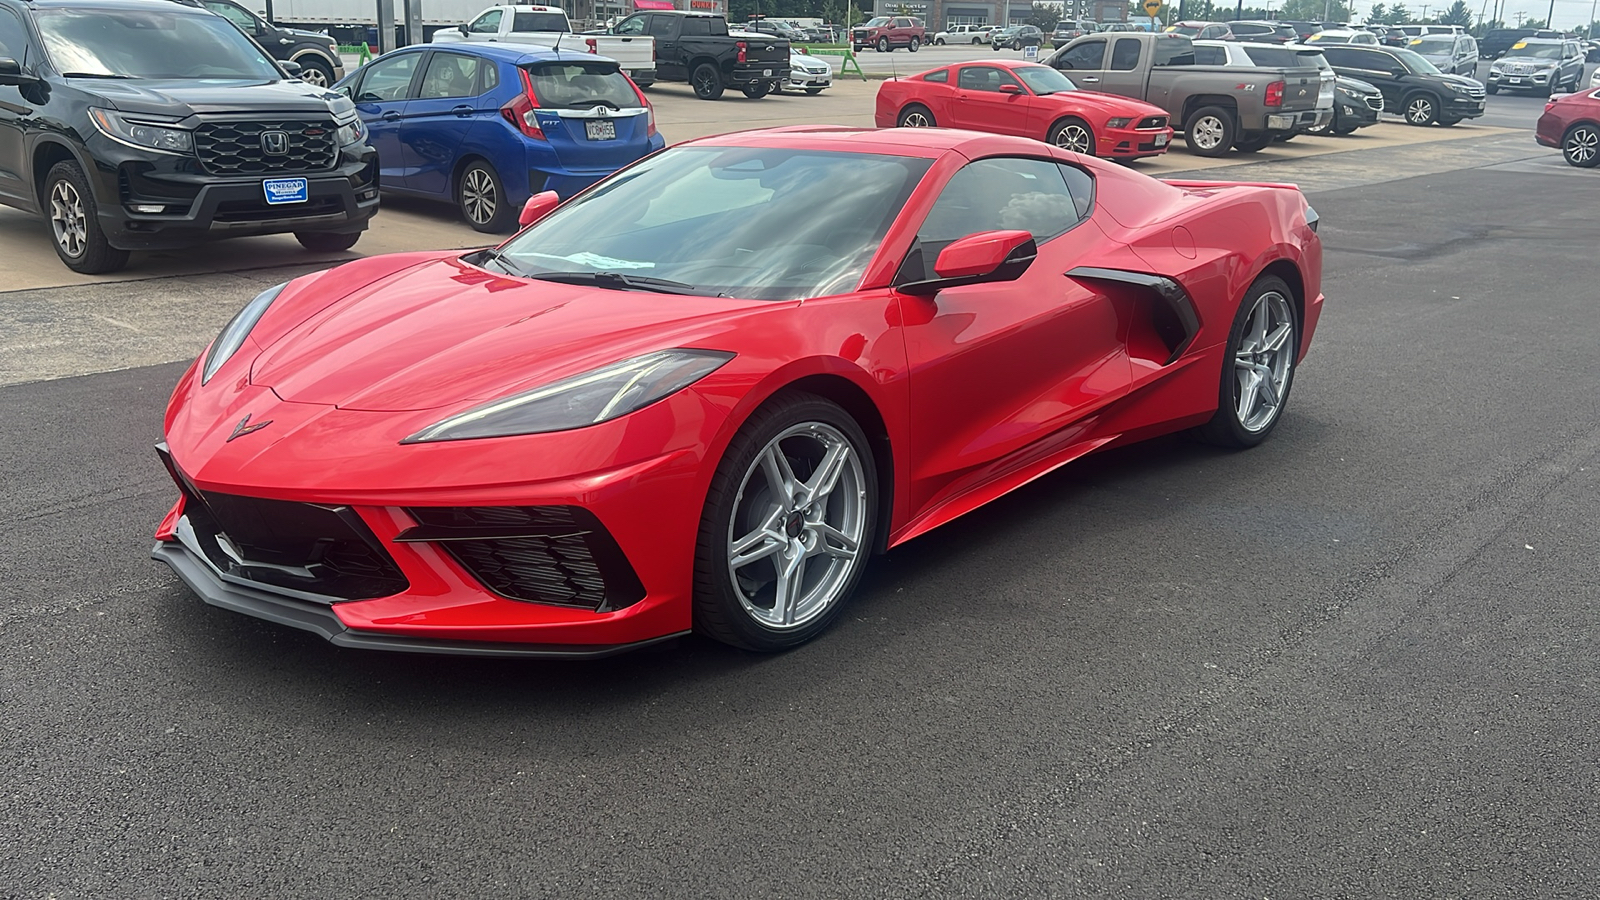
x,y
189,96
448,334
1536,62
1357,85
1109,104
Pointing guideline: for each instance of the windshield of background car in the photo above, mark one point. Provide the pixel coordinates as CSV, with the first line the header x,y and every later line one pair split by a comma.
x,y
145,44
881,20
755,223
1286,57
1185,30
1416,62
581,86
1044,80
1535,51
1173,50
1436,46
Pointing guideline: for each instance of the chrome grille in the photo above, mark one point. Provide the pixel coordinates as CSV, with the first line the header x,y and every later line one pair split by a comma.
x,y
1375,103
234,147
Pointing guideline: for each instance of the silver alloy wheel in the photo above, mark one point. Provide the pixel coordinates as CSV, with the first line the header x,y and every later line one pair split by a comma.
x,y
313,76
67,219
1419,111
793,544
1074,137
1262,361
478,198
1582,145
1207,132
915,120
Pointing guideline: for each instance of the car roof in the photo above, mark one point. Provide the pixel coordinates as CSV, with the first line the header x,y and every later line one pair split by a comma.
x,y
921,142
1534,40
117,5
511,53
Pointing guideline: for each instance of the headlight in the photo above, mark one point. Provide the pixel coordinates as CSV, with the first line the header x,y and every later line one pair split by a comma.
x,y
1117,123
588,399
352,132
238,328
1349,93
149,132
1458,88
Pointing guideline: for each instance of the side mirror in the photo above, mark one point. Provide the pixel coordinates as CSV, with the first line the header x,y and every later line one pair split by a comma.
x,y
11,73
1010,89
985,257
463,29
291,67
537,207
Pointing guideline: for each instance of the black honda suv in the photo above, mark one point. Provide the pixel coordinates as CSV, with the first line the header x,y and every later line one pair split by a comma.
x,y
146,124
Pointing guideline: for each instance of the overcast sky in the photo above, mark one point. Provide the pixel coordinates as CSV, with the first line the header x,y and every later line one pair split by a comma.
x,y
1570,14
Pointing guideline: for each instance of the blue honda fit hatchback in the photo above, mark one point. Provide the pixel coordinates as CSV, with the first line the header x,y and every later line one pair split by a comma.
x,y
488,126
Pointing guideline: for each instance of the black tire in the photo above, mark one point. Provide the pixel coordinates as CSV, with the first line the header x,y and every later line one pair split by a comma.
x,y
907,119
1420,110
1447,121
1580,146
74,219
718,610
1345,132
1218,125
1254,143
707,82
757,90
1072,134
857,48
327,241
813,91
1325,127
311,70
1225,428
939,42
1284,138
884,46
1016,45
481,198
914,45
1491,89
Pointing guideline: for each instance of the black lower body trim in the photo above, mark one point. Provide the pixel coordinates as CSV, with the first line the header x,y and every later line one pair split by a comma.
x,y
321,620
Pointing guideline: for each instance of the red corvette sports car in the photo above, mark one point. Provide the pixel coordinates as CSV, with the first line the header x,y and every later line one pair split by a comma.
x,y
1572,123
1027,100
692,397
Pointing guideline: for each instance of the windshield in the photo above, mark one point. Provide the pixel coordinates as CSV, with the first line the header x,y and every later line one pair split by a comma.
x,y
1185,30
1536,51
881,20
144,44
1044,80
732,221
1435,46
1416,63
581,86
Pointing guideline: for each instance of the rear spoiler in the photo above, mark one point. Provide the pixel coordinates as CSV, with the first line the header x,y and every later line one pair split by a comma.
x,y
1208,185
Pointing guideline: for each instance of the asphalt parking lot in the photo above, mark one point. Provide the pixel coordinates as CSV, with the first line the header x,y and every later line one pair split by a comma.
x,y
1357,661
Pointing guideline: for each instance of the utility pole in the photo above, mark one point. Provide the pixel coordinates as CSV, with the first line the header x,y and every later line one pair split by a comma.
x,y
1550,20
1424,12
1520,16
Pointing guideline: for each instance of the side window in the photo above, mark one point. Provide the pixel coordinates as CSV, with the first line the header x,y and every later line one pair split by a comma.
x,y
983,78
661,26
994,195
631,25
13,37
1210,56
234,14
1338,56
940,77
1087,55
388,79
1125,55
488,23
450,75
1080,185
695,26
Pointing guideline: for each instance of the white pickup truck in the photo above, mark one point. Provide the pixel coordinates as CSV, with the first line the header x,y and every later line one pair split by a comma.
x,y
548,26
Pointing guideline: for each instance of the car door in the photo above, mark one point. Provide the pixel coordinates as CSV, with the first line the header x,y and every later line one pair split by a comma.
x,y
1084,62
938,93
669,47
1372,66
438,116
486,27
1002,369
984,102
15,112
1122,75
381,95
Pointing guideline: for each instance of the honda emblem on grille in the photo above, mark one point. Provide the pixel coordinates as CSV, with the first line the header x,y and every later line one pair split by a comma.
x,y
275,143
244,427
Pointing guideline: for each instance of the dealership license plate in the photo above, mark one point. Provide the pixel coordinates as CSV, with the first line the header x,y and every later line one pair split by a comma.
x,y
1513,81
1161,140
286,190
600,131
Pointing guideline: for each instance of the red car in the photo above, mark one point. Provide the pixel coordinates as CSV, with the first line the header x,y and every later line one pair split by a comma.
x,y
1573,124
1027,100
693,397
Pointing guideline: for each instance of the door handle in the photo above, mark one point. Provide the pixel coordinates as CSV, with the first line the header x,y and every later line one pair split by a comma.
x,y
462,110
391,116
285,41
1090,79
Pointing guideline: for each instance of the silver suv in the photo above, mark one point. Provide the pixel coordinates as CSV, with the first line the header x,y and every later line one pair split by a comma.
x,y
1546,65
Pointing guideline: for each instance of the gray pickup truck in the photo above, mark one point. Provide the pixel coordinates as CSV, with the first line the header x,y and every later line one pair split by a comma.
x,y
1218,108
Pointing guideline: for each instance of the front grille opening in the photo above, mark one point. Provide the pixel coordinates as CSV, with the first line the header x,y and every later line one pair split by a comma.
x,y
259,210
243,147
560,555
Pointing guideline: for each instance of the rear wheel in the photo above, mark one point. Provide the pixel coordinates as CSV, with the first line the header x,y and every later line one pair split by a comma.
x,y
482,199
327,241
707,82
315,72
1581,146
914,45
1209,131
757,90
1253,143
1074,135
75,222
915,116
1420,110
788,525
1258,369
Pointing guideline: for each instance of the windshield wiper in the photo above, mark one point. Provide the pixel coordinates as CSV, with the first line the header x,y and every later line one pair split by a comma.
x,y
493,255
619,281
93,75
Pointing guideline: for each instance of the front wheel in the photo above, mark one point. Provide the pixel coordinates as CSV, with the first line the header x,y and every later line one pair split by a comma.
x,y
707,82
1448,121
914,45
787,527
915,116
1257,368
1421,110
1581,146
813,91
327,241
939,42
1074,135
1016,45
1209,131
1492,89
75,222
757,90
482,199
883,45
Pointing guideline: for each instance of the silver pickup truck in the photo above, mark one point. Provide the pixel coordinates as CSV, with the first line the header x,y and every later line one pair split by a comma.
x,y
1218,108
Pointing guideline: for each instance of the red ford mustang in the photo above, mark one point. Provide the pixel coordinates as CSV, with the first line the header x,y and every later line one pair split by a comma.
x,y
1027,100
692,397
